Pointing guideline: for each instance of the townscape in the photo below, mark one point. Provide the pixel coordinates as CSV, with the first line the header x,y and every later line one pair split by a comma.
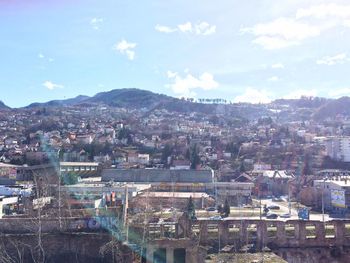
x,y
174,131
133,176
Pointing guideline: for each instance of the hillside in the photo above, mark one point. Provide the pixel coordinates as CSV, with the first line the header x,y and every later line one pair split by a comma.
x,y
303,102
129,98
333,108
136,98
58,103
3,106
143,99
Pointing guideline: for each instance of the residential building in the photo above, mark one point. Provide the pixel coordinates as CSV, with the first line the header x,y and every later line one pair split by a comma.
x,y
338,148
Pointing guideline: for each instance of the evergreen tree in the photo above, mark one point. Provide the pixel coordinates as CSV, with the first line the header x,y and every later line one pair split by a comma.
x,y
242,168
226,209
69,179
194,157
190,209
307,166
219,209
166,152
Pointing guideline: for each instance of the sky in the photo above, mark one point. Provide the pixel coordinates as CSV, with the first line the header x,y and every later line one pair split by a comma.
x,y
242,51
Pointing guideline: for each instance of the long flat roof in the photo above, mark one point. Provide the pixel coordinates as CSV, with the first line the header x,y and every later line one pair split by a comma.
x,y
103,187
157,175
78,164
341,183
175,195
6,165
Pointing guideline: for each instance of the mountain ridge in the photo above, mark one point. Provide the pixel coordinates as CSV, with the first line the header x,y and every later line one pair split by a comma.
x,y
3,105
332,108
132,98
57,103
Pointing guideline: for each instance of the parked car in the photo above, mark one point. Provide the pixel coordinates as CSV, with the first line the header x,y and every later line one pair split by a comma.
x,y
215,218
285,198
168,219
277,199
271,216
273,207
285,215
211,209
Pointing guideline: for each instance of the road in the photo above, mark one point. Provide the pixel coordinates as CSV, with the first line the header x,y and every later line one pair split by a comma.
x,y
284,209
238,213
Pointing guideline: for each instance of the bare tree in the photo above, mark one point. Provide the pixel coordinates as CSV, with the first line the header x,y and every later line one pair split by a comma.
x,y
113,249
37,250
12,252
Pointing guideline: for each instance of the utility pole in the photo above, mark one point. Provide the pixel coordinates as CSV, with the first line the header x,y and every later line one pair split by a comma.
x,y
260,215
289,204
59,190
260,201
125,213
59,199
324,186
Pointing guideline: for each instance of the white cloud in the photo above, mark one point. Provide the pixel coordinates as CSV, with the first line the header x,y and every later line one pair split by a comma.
x,y
281,33
306,23
339,92
96,22
277,66
299,93
332,60
285,28
201,28
273,79
171,74
254,96
271,43
204,29
126,48
44,58
324,11
331,14
165,29
186,27
184,86
51,86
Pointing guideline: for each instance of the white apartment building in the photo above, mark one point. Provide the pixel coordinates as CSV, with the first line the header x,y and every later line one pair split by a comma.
x,y
338,148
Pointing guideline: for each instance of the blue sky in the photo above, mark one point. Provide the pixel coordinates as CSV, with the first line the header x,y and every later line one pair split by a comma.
x,y
254,50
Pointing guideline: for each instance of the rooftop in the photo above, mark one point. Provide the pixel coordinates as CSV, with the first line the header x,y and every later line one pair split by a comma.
x,y
157,175
277,174
341,183
78,164
176,195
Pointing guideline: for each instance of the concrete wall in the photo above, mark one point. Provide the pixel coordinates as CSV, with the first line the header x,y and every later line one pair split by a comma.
x,y
292,233
61,247
294,240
